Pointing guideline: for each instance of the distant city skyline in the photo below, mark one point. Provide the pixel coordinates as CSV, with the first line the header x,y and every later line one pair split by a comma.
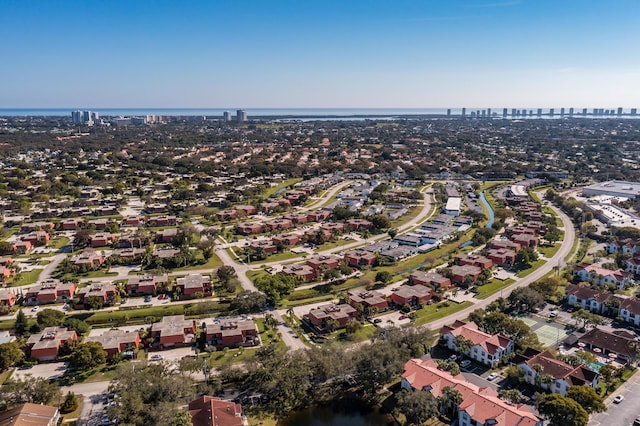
x,y
321,54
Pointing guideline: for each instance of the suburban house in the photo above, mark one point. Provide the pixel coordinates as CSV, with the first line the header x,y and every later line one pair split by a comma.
x,y
106,292
28,414
620,343
7,297
44,346
429,279
286,240
460,273
330,261
247,228
592,271
319,215
211,411
296,218
626,246
502,256
173,330
358,258
487,349
479,406
359,224
37,238
473,260
88,258
230,333
193,285
564,375
162,221
279,223
302,272
504,244
368,299
166,235
411,295
137,220
526,240
266,246
246,210
22,247
225,215
604,302
102,239
49,292
116,341
145,284
71,224
323,316
28,227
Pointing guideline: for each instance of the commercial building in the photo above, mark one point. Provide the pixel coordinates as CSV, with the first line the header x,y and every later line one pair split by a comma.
x,y
616,188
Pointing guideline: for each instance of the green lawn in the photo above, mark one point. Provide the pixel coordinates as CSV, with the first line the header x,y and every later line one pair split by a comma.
x,y
439,310
58,242
548,252
535,265
26,278
493,286
279,257
212,263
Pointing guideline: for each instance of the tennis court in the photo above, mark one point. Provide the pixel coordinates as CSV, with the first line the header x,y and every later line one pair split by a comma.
x,y
529,321
549,335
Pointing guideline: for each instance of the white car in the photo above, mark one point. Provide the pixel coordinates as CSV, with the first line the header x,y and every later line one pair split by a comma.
x,y
156,357
465,363
35,309
618,399
492,376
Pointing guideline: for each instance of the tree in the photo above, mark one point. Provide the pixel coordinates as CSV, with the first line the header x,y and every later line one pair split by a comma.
x,y
50,318
79,326
22,324
182,418
275,286
225,273
450,400
587,398
36,390
392,233
525,299
383,277
514,396
10,355
93,302
87,355
561,410
463,344
450,367
417,406
380,221
248,301
526,256
69,404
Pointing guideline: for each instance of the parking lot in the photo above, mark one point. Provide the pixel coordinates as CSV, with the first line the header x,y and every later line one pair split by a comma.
x,y
50,370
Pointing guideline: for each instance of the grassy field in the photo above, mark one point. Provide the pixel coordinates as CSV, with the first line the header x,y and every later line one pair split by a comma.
x,y
547,251
492,287
535,265
58,242
26,278
439,310
212,263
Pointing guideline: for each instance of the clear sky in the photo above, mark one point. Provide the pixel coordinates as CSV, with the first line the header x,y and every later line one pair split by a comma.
x,y
320,53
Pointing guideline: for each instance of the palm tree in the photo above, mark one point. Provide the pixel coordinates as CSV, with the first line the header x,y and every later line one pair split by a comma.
x,y
450,400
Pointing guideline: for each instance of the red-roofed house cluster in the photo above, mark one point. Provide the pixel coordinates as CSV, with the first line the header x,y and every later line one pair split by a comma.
x,y
488,349
479,406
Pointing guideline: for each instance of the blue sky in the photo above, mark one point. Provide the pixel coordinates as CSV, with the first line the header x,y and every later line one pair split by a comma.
x,y
320,53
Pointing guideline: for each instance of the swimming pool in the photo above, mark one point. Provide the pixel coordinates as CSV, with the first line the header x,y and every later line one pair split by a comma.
x,y
596,366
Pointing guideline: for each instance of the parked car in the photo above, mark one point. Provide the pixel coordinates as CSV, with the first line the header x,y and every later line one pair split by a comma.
x,y
452,358
147,298
618,399
492,376
35,309
377,321
156,357
553,314
465,363
636,422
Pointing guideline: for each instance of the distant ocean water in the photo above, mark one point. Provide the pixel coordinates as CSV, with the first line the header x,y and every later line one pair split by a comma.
x,y
217,112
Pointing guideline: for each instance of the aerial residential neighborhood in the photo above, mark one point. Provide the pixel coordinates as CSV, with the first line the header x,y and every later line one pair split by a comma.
x,y
492,292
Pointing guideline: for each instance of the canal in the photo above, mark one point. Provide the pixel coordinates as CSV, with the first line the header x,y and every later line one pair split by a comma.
x,y
489,209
